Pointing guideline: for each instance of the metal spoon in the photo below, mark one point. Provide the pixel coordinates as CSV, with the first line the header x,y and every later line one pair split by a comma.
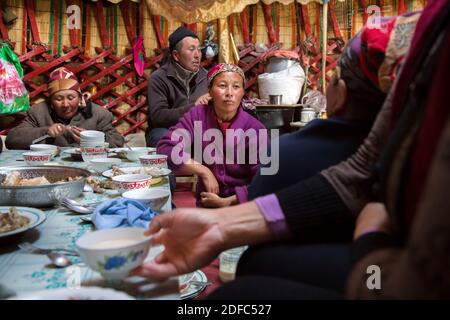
x,y
78,209
75,206
76,203
59,260
86,219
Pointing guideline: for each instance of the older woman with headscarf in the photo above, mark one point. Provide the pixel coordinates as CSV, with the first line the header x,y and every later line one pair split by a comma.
x,y
63,117
216,132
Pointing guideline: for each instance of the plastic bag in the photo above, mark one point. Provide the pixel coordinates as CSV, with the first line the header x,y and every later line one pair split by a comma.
x,y
287,82
13,94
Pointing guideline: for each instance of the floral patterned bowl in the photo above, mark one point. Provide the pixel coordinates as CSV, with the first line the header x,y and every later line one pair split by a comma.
x,y
114,252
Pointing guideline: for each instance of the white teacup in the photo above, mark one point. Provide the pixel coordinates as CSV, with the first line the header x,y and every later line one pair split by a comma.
x,y
114,252
307,114
154,198
135,152
103,164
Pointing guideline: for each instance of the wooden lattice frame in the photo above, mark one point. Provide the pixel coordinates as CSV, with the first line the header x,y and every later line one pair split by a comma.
x,y
105,72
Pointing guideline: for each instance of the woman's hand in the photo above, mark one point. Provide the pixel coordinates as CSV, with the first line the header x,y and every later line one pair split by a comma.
x,y
212,200
209,180
373,217
204,99
56,129
191,239
76,133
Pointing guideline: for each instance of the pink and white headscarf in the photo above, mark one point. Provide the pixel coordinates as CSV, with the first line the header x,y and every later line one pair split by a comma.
x,y
224,67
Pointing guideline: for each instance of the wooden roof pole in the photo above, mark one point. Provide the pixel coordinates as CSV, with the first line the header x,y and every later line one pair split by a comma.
x,y
129,27
269,22
29,4
102,24
3,29
245,32
157,26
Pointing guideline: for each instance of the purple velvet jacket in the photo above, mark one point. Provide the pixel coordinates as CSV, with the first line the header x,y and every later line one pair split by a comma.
x,y
232,178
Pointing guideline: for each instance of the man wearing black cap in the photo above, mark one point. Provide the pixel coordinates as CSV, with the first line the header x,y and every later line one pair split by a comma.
x,y
176,86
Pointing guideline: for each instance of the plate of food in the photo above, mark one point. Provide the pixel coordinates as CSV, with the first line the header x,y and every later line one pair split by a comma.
x,y
153,171
40,186
14,220
192,284
83,293
74,153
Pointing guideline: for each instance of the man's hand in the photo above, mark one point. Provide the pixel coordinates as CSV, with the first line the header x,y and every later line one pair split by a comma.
x,y
212,200
372,218
191,239
204,99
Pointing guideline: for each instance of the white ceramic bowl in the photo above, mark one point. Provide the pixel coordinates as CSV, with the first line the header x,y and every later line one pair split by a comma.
x,y
154,160
44,148
114,252
103,164
36,158
92,135
126,182
135,153
154,198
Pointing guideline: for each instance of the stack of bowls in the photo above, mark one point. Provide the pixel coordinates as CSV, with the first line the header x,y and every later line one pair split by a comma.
x,y
45,148
92,145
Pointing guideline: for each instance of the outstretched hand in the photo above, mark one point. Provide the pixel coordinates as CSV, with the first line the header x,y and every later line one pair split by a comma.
x,y
191,239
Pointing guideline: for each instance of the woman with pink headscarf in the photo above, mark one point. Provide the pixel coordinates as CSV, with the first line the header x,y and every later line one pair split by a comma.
x,y
222,177
63,117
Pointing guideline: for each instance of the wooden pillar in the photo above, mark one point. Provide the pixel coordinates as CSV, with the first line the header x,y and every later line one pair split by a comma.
x,y
267,10
245,32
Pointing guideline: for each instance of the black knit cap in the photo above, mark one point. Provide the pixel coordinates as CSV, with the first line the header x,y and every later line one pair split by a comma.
x,y
178,35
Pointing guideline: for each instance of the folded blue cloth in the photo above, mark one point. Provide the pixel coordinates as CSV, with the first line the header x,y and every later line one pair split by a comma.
x,y
122,212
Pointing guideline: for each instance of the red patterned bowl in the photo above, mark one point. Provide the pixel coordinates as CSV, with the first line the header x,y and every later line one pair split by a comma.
x,y
154,160
126,182
35,158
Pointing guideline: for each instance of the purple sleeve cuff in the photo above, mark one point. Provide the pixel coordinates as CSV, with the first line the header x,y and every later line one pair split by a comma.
x,y
271,210
241,194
